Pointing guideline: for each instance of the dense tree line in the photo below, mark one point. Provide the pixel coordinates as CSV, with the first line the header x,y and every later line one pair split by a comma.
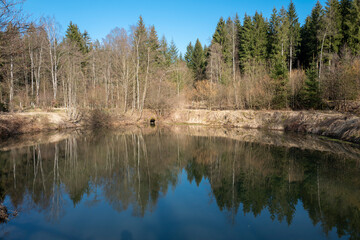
x,y
128,70
277,63
255,63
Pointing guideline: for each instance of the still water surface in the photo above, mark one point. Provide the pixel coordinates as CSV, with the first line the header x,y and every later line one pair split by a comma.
x,y
161,184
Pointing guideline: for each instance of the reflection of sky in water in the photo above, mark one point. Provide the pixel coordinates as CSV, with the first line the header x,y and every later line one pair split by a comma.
x,y
186,211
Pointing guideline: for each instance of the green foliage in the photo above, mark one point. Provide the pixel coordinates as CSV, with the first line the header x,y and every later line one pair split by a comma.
x,y
221,37
280,76
294,29
164,52
153,42
140,41
310,94
346,20
246,43
259,37
278,37
81,40
354,41
198,61
188,55
173,52
253,42
311,44
332,26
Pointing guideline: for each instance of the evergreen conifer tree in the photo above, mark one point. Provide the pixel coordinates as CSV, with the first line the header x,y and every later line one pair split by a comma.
x,y
198,61
246,44
189,55
173,52
293,33
311,97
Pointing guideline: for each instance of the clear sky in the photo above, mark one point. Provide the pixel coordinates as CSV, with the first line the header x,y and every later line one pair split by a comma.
x,y
181,20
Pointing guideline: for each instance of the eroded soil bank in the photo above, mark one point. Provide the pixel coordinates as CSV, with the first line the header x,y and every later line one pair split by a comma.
x,y
328,124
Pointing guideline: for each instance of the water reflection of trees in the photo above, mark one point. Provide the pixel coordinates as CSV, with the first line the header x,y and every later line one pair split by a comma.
x,y
134,170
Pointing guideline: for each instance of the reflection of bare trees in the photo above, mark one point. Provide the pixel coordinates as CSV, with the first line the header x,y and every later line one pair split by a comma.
x,y
133,170
57,201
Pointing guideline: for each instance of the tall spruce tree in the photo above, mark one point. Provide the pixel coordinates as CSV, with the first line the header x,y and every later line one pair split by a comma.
x,y
329,35
189,55
294,33
221,36
311,31
274,48
198,61
310,94
246,44
260,30
164,52
354,41
173,52
332,27
73,35
346,20
153,45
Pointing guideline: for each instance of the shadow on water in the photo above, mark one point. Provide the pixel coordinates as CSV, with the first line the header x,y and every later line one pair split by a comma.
x,y
248,172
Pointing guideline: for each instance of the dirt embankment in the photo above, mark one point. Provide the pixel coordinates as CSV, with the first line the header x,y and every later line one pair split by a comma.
x,y
333,125
14,124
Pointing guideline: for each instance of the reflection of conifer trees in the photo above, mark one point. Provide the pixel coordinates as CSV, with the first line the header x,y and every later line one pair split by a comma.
x,y
132,171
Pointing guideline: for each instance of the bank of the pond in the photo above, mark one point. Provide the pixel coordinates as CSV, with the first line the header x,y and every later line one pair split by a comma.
x,y
328,124
14,124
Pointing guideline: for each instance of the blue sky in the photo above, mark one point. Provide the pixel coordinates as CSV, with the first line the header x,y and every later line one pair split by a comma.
x,y
182,20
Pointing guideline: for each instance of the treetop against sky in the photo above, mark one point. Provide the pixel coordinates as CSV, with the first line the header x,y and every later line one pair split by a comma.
x,y
183,21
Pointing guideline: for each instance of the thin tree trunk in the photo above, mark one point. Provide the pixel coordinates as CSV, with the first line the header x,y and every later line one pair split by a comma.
x,y
38,76
321,58
291,58
11,83
234,68
146,83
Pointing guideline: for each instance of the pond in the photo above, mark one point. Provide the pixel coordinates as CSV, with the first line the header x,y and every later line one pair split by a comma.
x,y
184,182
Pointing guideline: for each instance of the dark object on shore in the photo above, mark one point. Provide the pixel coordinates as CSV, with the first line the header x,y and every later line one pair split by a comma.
x,y
4,215
3,107
152,122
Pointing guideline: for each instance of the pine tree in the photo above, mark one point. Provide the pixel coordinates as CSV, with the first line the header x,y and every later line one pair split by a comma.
x,y
74,36
140,39
294,33
221,37
198,61
354,41
153,45
164,52
173,52
246,44
346,20
280,77
260,29
311,45
189,55
310,94
273,48
278,42
332,26
329,34
220,33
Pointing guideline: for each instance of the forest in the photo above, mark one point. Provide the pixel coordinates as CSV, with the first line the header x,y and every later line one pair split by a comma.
x,y
251,63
